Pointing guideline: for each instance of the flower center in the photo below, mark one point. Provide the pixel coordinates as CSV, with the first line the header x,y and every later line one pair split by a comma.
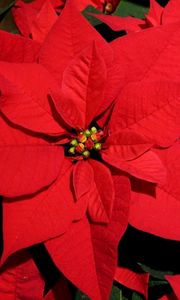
x,y
85,143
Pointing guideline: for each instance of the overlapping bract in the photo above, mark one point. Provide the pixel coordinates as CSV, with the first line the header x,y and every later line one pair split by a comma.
x,y
157,15
75,79
35,19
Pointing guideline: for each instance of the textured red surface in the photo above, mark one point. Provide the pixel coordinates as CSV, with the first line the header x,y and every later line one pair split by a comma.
x,y
134,281
156,16
75,79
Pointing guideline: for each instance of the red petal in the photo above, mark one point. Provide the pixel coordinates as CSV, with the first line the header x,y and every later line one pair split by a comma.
x,y
27,164
104,188
94,189
25,101
147,167
20,278
31,220
151,109
84,253
43,22
175,284
167,66
60,291
165,297
58,3
37,5
82,88
73,255
17,49
106,238
127,144
24,15
154,16
36,18
132,280
153,52
159,213
68,37
171,13
151,215
118,23
170,158
82,4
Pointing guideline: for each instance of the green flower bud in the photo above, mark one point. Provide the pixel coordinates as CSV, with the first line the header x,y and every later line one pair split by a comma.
x,y
74,142
93,130
72,150
97,146
87,133
86,154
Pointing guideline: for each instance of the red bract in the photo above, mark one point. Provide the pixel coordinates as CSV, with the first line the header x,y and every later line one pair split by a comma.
x,y
46,206
156,16
174,281
153,213
139,282
117,23
79,207
132,280
36,18
15,48
21,272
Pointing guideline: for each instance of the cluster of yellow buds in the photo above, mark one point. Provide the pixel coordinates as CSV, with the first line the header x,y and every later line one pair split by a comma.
x,y
86,141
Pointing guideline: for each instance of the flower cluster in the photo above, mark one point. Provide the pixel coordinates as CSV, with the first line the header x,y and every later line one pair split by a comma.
x,y
89,143
86,142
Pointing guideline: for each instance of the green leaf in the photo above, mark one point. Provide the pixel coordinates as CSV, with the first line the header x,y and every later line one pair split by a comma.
x,y
8,23
155,273
153,283
128,8
117,294
81,296
136,296
91,19
5,6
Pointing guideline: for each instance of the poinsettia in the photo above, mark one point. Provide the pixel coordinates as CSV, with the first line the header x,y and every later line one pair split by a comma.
x,y
21,271
167,205
157,15
64,196
139,282
156,210
34,206
175,284
74,146
132,280
35,19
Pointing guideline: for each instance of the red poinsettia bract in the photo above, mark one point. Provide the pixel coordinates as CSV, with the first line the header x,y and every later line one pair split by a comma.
x,y
153,215
51,135
70,135
157,15
35,19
